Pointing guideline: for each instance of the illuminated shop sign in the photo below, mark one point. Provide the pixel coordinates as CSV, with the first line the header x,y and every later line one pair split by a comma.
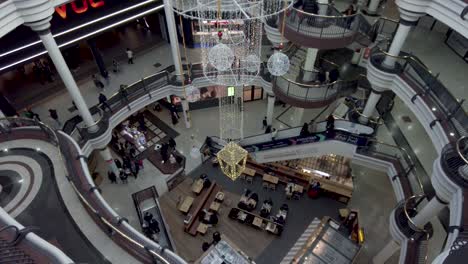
x,y
78,7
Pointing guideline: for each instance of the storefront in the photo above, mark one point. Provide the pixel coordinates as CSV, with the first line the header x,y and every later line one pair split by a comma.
x,y
206,97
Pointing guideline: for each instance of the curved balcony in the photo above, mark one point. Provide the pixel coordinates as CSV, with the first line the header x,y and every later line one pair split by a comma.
x,y
331,30
444,120
310,95
19,246
70,154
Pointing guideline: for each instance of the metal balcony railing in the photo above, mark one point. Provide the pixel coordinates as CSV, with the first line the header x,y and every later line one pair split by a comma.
x,y
447,109
328,24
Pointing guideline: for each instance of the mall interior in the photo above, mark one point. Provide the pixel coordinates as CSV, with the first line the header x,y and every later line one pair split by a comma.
x,y
234,131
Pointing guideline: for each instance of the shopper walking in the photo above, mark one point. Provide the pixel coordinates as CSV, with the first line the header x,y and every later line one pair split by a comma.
x,y
304,130
115,66
53,114
130,56
330,126
97,82
123,92
264,123
103,101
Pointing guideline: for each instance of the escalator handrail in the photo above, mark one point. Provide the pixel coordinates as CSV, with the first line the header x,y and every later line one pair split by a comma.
x,y
457,144
406,155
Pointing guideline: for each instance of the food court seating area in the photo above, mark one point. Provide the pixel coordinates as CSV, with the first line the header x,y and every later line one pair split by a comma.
x,y
202,210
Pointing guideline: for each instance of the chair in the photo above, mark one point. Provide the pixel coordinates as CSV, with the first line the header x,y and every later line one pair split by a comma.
x,y
265,185
272,187
249,179
242,177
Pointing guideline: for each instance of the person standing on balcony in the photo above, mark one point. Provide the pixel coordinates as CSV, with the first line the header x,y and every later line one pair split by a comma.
x,y
53,114
103,102
130,56
32,115
274,133
330,126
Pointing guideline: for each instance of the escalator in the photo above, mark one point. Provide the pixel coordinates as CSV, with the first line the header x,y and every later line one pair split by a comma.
x,y
290,144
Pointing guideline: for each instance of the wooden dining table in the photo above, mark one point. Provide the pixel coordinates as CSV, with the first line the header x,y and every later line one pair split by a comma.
x,y
197,186
185,205
270,178
249,171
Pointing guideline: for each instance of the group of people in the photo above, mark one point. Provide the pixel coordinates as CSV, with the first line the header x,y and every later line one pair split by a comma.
x,y
324,77
150,225
128,167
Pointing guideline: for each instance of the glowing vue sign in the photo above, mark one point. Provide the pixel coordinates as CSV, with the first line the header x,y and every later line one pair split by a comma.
x,y
78,6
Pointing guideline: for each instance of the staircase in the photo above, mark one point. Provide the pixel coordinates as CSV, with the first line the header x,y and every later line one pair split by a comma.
x,y
10,253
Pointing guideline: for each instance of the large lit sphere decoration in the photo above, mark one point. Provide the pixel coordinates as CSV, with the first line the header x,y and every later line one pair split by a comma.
x,y
221,57
278,64
192,93
252,63
234,25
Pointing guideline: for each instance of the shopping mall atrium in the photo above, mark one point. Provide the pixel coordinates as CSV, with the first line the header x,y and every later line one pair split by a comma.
x,y
234,131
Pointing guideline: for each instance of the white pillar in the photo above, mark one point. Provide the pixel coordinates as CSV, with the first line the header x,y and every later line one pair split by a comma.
x,y
309,64
107,157
270,109
322,7
298,115
429,211
62,68
369,109
172,30
397,43
185,112
388,251
373,6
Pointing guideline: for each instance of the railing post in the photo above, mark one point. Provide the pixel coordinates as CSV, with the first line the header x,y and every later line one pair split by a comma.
x,y
307,94
144,87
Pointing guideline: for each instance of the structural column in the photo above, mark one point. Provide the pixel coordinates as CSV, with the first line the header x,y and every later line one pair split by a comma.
x,y
98,58
270,109
172,31
323,8
309,63
62,68
373,6
407,20
185,112
388,251
107,156
429,211
369,109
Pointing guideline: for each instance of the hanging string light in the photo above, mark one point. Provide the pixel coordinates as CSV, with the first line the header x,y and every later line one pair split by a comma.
x,y
278,63
230,35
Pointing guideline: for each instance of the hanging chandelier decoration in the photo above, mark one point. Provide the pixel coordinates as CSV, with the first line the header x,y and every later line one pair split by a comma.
x,y
230,35
232,157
